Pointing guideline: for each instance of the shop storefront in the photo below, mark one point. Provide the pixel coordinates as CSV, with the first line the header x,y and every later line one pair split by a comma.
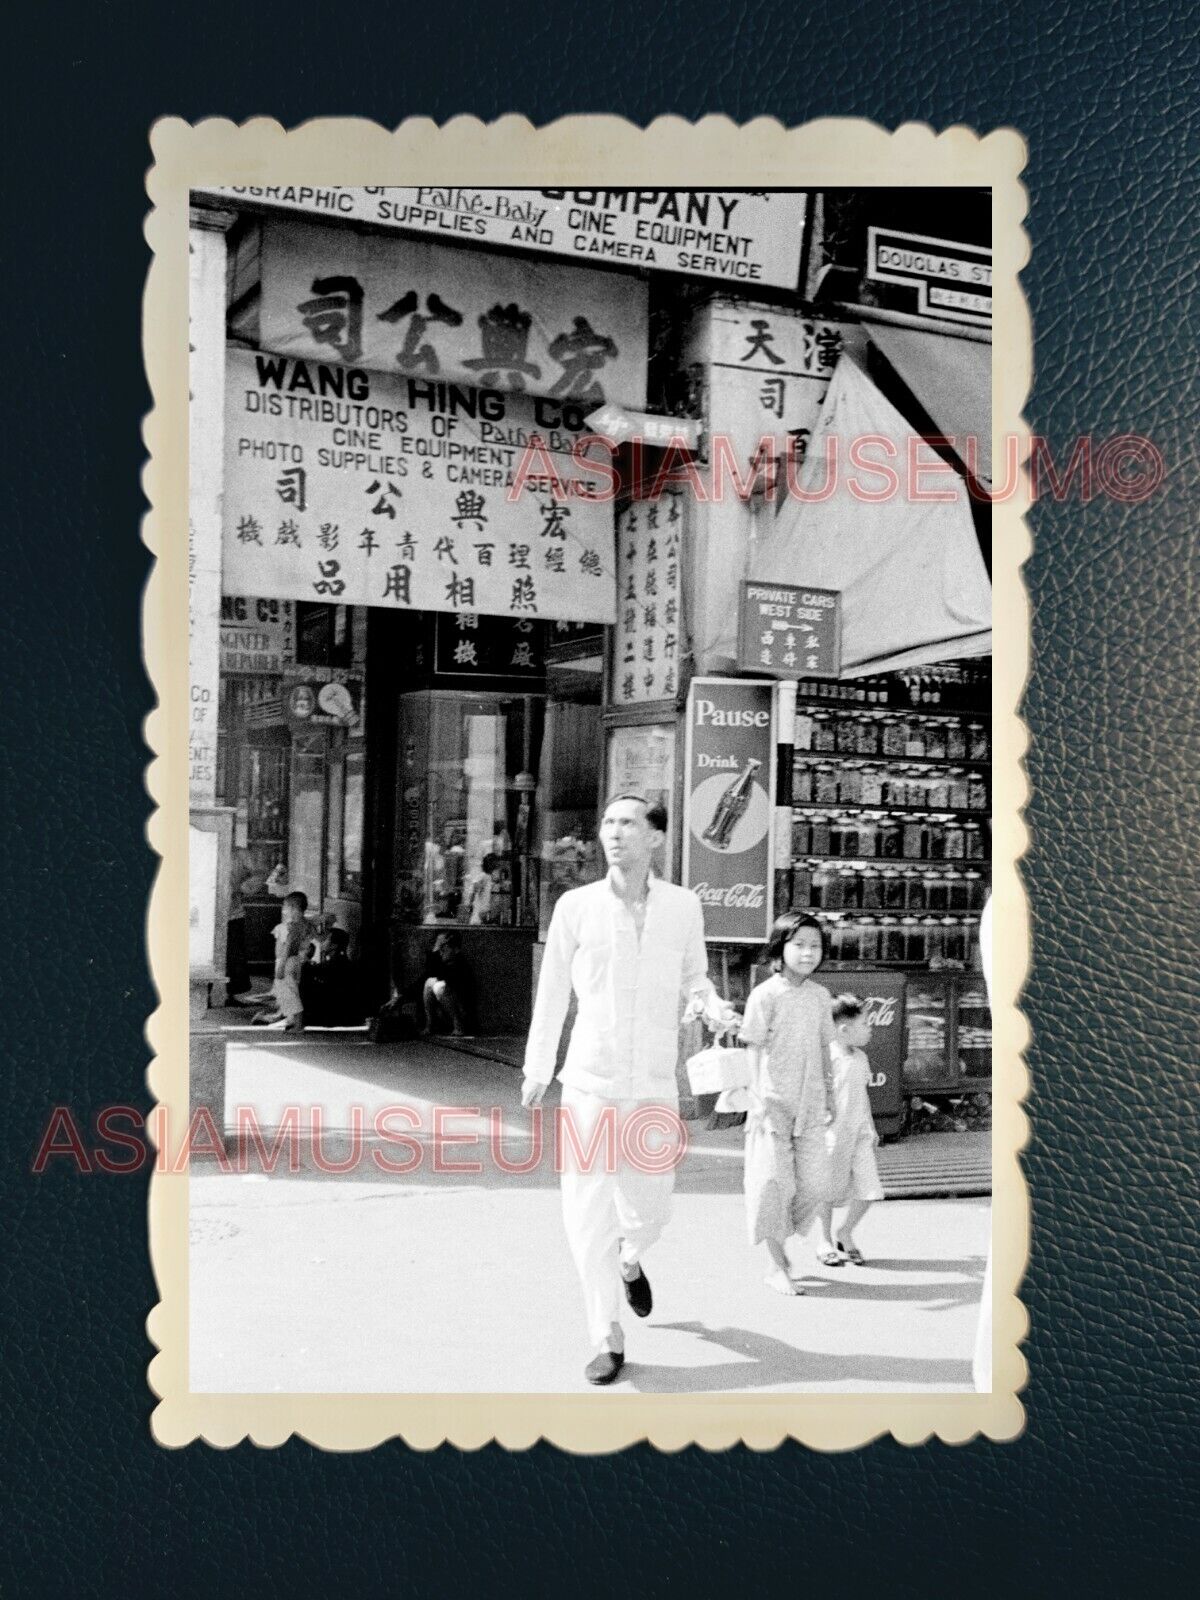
x,y
427,683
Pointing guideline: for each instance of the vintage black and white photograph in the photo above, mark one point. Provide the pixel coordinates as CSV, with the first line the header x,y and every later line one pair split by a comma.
x,y
590,791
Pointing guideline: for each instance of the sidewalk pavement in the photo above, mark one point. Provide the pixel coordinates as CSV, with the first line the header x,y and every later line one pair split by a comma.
x,y
456,1281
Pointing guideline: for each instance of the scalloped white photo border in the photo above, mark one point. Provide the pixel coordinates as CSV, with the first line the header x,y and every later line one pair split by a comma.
x,y
585,151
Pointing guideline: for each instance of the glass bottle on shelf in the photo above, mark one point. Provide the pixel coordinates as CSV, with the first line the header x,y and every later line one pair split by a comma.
x,y
935,741
872,787
837,836
894,890
850,889
973,847
955,841
823,736
801,836
867,837
820,837
851,940
915,841
976,793
958,791
837,939
938,791
801,885
872,889
954,939
956,898
802,736
819,895
895,735
956,742
868,737
825,786
802,783
937,893
937,840
868,939
889,839
850,786
914,743
912,940
891,945
851,845
977,742
931,932
847,734
975,894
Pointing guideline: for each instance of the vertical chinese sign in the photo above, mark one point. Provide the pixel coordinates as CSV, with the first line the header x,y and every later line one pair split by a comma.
x,y
729,800
646,645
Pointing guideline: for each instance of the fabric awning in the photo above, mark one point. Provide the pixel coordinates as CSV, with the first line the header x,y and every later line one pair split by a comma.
x,y
952,378
913,585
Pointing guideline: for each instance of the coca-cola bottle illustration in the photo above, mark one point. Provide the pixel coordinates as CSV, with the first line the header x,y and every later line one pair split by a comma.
x,y
731,808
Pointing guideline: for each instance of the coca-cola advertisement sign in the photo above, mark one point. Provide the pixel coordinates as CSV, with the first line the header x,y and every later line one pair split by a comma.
x,y
729,801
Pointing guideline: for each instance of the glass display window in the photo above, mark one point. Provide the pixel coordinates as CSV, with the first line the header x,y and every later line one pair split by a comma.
x,y
468,801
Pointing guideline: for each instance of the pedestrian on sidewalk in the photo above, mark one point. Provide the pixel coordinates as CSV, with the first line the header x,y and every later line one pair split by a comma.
x,y
632,948
788,1028
293,936
853,1175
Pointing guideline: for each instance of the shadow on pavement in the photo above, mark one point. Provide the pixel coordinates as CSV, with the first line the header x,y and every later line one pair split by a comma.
x,y
767,1361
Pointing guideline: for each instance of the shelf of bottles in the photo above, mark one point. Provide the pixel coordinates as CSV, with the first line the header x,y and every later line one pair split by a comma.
x,y
891,833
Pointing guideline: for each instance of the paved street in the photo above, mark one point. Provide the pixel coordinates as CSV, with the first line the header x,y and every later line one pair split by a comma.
x,y
368,1282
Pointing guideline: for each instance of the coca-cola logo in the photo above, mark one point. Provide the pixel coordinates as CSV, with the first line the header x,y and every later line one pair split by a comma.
x,y
880,1010
751,896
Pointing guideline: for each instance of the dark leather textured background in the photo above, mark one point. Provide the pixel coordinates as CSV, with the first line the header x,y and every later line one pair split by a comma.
x,y
1100,1494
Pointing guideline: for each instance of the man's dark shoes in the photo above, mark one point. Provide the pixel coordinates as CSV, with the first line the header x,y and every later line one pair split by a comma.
x,y
637,1292
604,1367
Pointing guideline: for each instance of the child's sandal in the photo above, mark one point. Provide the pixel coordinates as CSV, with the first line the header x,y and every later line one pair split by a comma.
x,y
853,1254
830,1258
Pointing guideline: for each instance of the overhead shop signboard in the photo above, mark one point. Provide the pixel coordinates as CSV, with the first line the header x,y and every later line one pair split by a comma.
x,y
359,488
735,235
495,322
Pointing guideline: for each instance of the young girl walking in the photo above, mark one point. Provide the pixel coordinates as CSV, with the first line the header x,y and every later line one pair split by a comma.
x,y
788,1027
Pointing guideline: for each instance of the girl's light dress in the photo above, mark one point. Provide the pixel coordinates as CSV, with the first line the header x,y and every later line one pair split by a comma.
x,y
787,1161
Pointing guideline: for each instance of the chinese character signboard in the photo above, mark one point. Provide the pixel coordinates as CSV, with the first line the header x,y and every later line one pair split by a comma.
x,y
641,760
739,235
950,281
646,643
407,307
729,802
789,631
469,645
770,371
357,488
257,635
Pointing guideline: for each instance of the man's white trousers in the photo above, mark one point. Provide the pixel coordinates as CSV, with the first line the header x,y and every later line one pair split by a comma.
x,y
616,1194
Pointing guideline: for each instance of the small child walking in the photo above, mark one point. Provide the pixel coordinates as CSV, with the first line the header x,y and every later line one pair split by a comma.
x,y
853,1175
788,1027
293,935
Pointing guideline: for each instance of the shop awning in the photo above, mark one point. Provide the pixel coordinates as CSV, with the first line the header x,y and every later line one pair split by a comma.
x,y
913,584
952,379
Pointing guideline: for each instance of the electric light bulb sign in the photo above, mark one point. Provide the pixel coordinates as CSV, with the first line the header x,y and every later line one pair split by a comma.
x,y
729,803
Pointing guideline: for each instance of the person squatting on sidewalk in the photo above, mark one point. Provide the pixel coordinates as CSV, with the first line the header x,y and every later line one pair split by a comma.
x,y
632,948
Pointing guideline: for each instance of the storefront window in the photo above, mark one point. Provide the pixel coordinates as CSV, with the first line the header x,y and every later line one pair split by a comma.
x,y
467,809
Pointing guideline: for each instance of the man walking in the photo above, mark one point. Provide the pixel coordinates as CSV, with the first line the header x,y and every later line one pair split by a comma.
x,y
632,948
